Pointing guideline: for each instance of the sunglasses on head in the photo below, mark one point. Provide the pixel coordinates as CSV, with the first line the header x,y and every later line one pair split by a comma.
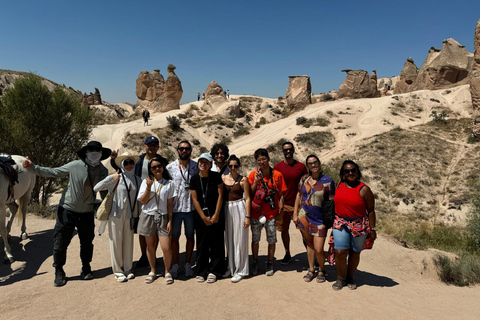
x,y
158,166
94,149
184,149
354,170
234,166
128,162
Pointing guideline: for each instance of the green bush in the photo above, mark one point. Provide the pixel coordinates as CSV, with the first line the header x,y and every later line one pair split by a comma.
x,y
241,132
174,123
48,126
301,121
462,271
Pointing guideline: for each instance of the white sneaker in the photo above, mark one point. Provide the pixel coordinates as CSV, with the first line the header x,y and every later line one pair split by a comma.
x,y
236,278
188,270
130,276
174,270
121,279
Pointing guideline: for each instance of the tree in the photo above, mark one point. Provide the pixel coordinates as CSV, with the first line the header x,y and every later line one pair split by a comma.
x,y
48,126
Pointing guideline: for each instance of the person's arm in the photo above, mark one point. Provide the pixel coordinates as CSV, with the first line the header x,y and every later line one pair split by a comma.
x,y
197,206
59,172
298,200
257,179
367,195
144,193
215,217
108,183
248,201
170,215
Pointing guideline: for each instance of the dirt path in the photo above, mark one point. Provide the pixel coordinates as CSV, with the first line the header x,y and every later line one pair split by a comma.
x,y
394,282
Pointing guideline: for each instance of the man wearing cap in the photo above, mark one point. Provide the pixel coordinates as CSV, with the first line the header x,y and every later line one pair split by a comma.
x,y
76,207
181,171
151,146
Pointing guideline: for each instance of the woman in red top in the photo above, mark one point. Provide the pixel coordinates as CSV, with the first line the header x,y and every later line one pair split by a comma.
x,y
354,222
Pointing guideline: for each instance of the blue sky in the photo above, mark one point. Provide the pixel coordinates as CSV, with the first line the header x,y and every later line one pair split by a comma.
x,y
248,47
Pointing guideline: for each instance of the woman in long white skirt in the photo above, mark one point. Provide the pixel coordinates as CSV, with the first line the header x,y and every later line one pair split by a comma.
x,y
237,219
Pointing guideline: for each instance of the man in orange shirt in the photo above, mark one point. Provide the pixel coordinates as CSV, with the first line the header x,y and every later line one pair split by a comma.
x,y
267,188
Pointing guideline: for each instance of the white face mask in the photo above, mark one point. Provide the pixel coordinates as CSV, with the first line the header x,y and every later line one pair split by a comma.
x,y
93,157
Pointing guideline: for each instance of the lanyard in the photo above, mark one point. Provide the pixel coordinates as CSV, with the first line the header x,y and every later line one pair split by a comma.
x,y
157,194
187,168
204,194
128,192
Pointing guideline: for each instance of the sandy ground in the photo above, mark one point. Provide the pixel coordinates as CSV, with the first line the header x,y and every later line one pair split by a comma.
x,y
394,282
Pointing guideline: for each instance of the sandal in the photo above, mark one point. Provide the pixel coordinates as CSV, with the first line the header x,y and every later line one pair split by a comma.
x,y
200,279
309,276
168,278
321,277
211,278
150,278
351,284
338,285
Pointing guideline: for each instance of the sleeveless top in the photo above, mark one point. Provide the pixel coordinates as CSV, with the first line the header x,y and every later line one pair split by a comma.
x,y
349,203
234,192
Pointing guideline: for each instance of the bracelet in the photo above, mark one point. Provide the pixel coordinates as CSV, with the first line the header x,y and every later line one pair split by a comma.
x,y
373,229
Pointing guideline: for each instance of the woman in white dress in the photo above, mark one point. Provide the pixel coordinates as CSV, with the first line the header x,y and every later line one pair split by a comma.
x,y
125,207
237,219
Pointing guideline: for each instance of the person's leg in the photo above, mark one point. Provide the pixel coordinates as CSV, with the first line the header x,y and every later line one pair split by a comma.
x,y
202,248
176,230
167,252
270,229
151,254
217,249
143,261
342,245
286,218
127,248
86,233
62,235
115,235
356,244
353,261
256,227
319,243
189,234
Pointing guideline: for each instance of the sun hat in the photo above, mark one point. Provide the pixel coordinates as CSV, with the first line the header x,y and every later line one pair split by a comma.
x,y
94,145
125,155
207,156
151,139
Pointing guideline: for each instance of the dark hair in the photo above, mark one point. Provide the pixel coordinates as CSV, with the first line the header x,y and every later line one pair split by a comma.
x,y
342,170
233,158
288,142
184,141
312,156
218,146
261,152
165,174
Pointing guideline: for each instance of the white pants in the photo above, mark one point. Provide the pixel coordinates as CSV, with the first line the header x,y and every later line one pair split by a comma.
x,y
236,237
121,244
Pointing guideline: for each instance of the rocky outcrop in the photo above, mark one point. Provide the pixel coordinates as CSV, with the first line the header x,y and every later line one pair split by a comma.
x,y
92,98
358,84
156,93
446,68
299,92
408,76
475,82
8,77
214,97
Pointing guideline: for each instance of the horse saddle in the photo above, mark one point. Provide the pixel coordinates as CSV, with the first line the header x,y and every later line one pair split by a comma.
x,y
7,164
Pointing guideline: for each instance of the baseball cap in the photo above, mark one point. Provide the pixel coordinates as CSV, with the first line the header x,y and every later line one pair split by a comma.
x,y
207,156
152,139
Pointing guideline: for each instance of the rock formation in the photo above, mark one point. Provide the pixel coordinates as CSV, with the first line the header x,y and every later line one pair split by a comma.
x,y
445,68
299,92
92,98
475,82
358,84
216,101
155,92
408,76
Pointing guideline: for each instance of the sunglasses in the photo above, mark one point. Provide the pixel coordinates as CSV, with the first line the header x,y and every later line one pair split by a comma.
x,y
346,171
234,166
184,149
288,150
94,149
128,162
158,166
312,163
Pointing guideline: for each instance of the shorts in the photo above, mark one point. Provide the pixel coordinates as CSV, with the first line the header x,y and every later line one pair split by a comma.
x,y
313,229
188,219
287,214
269,229
147,226
343,239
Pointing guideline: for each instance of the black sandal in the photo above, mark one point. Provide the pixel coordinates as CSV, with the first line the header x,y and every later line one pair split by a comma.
x,y
321,277
309,276
339,284
351,284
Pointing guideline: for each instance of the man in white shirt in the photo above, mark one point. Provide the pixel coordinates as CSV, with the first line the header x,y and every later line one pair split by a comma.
x,y
181,171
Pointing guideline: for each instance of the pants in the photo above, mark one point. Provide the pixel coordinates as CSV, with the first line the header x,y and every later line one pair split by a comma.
x,y
237,237
121,244
210,248
66,223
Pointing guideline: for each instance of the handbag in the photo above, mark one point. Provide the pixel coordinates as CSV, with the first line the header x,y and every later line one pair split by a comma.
x,y
328,210
105,207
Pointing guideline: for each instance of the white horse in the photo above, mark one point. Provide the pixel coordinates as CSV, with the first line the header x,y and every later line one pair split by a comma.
x,y
22,193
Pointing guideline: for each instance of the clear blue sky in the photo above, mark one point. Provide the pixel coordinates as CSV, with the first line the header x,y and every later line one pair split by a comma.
x,y
248,47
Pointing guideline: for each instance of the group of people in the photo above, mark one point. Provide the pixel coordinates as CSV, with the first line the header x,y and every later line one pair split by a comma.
x,y
217,205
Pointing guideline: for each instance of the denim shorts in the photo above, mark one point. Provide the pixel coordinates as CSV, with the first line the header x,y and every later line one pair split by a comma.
x,y
343,239
188,218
